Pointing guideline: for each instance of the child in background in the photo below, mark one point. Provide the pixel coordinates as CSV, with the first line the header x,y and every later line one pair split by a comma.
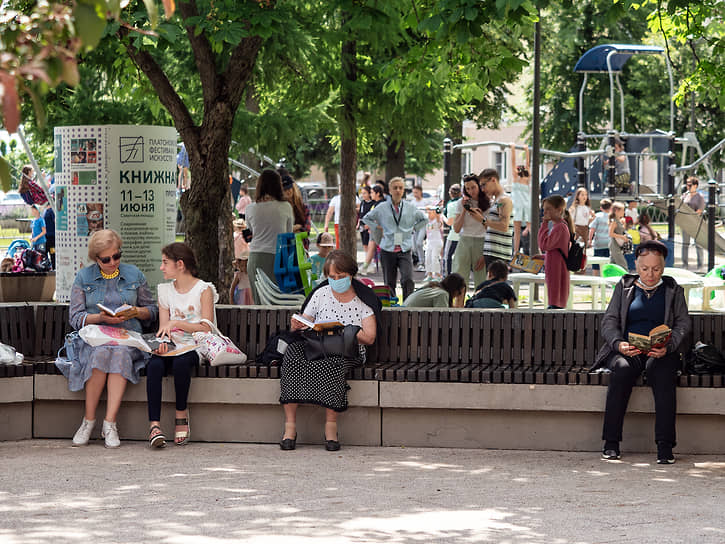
x,y
240,244
240,293
434,246
495,291
581,213
37,227
599,232
554,234
325,244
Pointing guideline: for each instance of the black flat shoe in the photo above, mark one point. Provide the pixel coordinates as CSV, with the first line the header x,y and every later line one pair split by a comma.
x,y
664,454
610,451
332,445
288,444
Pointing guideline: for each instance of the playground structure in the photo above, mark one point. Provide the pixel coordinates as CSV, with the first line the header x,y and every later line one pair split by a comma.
x,y
655,176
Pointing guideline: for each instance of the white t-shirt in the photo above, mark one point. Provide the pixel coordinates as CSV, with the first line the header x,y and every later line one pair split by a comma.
x,y
323,306
267,220
335,203
471,227
185,306
582,215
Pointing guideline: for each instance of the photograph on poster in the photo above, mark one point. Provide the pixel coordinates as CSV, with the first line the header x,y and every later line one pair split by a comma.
x,y
83,151
84,177
61,215
89,218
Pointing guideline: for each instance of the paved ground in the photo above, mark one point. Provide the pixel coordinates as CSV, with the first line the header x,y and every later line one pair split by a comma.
x,y
224,493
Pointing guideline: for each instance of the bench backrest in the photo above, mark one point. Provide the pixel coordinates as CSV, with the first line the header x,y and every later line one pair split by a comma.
x,y
515,338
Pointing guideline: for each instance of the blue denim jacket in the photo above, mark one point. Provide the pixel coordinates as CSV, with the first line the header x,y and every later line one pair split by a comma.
x,y
89,289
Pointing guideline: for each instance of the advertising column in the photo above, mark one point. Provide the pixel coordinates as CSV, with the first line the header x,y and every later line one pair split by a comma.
x,y
117,177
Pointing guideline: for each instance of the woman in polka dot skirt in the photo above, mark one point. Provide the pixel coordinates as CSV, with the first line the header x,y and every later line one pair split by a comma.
x,y
322,382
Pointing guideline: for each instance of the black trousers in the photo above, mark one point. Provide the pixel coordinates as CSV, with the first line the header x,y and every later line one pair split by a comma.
x,y
661,377
391,261
451,246
158,367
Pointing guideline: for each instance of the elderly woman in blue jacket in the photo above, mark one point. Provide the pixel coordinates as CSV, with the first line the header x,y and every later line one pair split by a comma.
x,y
640,303
109,282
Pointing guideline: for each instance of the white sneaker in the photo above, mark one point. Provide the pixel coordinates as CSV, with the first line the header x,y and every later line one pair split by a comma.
x,y
83,434
110,433
363,269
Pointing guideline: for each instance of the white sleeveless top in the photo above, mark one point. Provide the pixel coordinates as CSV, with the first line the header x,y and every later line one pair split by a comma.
x,y
185,306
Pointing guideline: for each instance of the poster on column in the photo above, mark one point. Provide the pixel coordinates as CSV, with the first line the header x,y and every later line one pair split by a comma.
x,y
115,177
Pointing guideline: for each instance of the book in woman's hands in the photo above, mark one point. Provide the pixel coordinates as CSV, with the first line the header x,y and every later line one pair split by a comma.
x,y
154,342
316,325
657,338
124,310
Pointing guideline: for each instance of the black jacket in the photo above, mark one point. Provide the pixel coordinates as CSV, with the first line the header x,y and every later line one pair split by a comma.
x,y
614,322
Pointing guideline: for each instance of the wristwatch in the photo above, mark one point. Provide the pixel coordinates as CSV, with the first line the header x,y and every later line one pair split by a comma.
x,y
483,221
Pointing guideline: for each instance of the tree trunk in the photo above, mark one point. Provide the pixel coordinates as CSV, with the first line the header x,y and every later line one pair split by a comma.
x,y
394,160
207,210
348,151
207,205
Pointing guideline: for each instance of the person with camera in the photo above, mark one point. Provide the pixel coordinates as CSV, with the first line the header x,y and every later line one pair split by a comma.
x,y
470,224
397,219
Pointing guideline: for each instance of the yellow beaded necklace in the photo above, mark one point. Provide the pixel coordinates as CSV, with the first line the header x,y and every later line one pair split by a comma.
x,y
111,275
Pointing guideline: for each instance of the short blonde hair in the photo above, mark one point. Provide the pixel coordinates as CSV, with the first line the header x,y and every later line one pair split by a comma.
x,y
396,180
101,241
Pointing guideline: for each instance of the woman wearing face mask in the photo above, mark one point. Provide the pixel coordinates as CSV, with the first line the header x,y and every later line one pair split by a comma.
x,y
340,298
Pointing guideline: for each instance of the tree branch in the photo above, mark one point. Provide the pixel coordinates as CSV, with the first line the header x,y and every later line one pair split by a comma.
x,y
203,56
166,92
239,70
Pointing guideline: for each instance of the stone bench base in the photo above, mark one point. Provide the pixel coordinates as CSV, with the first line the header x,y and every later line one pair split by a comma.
x,y
505,416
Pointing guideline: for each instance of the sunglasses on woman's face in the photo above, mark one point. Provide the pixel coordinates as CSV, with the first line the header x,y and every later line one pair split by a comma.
x,y
115,257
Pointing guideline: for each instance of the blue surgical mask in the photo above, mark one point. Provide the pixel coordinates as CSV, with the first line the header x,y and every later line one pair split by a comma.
x,y
340,285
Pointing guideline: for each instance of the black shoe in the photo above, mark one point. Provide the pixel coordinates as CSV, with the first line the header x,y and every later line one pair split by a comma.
x,y
664,454
610,451
288,444
332,445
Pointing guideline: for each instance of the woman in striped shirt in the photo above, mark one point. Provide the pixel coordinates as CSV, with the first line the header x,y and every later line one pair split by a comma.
x,y
499,226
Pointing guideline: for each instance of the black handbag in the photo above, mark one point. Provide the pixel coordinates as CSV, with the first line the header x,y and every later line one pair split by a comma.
x,y
704,359
341,341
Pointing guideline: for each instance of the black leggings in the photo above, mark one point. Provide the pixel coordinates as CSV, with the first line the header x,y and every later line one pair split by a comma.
x,y
158,367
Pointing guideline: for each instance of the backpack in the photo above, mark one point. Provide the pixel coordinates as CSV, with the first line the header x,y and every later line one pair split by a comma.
x,y
35,261
576,260
704,359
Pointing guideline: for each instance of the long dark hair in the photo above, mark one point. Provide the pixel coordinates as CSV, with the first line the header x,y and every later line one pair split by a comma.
x,y
179,251
452,284
269,183
484,203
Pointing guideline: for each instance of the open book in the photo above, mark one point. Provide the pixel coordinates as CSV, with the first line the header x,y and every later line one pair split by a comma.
x,y
121,311
657,338
317,325
526,264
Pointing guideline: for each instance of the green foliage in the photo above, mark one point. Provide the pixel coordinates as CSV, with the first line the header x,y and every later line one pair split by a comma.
x,y
700,28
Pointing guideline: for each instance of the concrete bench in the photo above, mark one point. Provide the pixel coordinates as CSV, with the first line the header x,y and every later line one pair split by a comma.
x,y
461,378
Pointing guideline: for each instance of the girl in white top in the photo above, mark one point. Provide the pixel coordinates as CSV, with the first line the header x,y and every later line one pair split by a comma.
x,y
269,215
183,304
581,213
